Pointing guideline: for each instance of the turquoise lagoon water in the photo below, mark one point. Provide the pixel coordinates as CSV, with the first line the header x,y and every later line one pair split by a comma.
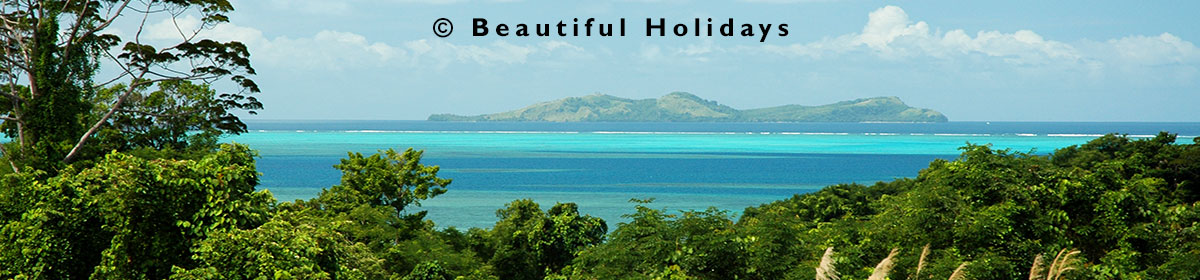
x,y
600,166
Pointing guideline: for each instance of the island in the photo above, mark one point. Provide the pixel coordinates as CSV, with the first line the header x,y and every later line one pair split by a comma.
x,y
686,107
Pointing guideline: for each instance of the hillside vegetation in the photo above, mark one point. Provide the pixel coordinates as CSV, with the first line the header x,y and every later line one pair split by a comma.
x,y
1114,208
685,107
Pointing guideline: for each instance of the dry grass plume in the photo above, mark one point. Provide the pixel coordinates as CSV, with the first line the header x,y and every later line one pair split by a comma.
x,y
1035,271
825,270
960,273
1063,262
921,261
885,266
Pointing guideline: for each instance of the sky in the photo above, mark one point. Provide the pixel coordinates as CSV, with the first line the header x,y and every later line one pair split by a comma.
x,y
971,60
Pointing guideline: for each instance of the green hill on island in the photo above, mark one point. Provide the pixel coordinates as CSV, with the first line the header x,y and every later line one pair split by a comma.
x,y
686,107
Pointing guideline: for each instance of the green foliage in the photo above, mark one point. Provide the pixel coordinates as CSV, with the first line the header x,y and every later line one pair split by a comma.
x,y
49,231
428,271
52,115
388,178
529,244
178,115
290,246
431,246
701,244
126,217
1127,205
364,217
373,196
801,227
54,105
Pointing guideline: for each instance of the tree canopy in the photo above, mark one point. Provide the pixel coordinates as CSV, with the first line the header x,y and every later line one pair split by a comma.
x,y
54,105
1114,208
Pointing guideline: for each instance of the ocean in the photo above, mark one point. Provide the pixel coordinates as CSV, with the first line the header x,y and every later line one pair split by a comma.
x,y
683,166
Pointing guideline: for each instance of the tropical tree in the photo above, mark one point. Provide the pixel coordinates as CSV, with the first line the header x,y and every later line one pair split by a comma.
x,y
529,243
177,115
125,217
53,49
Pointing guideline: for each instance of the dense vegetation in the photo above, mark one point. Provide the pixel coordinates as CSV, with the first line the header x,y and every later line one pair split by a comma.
x,y
685,107
1131,209
126,181
57,113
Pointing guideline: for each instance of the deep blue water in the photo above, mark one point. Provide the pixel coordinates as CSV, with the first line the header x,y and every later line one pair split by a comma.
x,y
601,166
779,175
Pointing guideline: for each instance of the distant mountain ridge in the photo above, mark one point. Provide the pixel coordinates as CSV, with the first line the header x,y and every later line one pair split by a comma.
x,y
686,107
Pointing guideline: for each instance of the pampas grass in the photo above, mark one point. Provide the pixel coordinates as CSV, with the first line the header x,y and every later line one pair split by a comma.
x,y
960,273
1064,261
825,270
1035,271
921,261
885,266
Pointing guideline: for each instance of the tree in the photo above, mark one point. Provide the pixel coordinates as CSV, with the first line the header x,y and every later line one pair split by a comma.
x,y
53,48
126,217
358,229
1124,204
698,244
391,179
375,191
177,115
529,243
290,246
428,271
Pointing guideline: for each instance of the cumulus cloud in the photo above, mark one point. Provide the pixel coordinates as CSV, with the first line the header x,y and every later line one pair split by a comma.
x,y
326,49
1164,49
312,6
336,50
345,6
887,24
891,34
499,52
786,1
177,29
704,51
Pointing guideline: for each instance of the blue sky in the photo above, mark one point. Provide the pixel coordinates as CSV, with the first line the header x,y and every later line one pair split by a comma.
x,y
972,60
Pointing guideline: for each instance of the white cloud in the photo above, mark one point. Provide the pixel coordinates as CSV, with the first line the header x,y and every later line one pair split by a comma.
x,y
346,7
174,30
891,34
335,50
887,24
443,53
439,53
435,2
650,52
654,54
786,1
699,49
1164,49
321,7
325,50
